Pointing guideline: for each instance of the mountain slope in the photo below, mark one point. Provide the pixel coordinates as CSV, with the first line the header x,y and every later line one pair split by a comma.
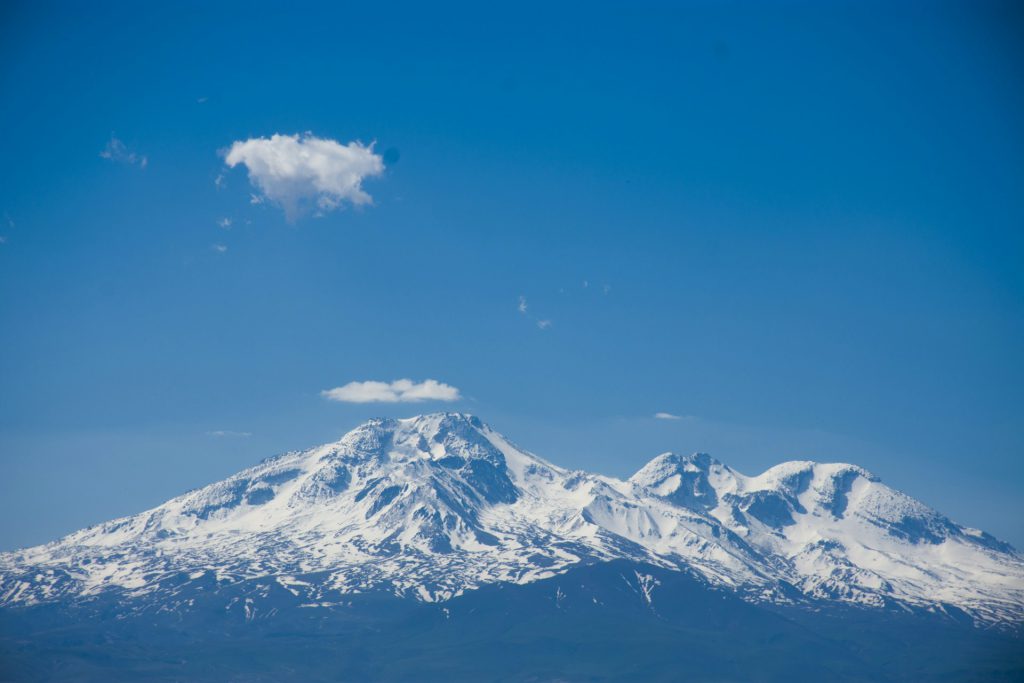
x,y
844,535
611,621
434,506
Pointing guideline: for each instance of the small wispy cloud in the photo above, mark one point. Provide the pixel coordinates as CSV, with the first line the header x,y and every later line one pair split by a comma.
x,y
219,181
667,416
399,391
220,433
117,151
224,223
302,171
220,248
524,309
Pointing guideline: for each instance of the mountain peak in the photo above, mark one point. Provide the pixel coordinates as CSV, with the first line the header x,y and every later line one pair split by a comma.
x,y
432,424
684,479
701,461
793,469
424,423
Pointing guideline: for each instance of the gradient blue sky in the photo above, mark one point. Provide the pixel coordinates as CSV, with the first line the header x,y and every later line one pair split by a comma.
x,y
800,225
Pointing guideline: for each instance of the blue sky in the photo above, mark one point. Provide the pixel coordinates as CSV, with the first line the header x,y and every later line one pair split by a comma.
x,y
797,227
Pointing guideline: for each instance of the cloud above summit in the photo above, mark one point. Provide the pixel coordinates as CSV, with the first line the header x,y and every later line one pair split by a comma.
x,y
305,172
399,391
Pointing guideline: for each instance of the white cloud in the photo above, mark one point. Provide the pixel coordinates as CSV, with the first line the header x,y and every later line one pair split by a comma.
x,y
219,181
301,171
399,391
225,223
228,432
524,309
667,416
118,151
220,248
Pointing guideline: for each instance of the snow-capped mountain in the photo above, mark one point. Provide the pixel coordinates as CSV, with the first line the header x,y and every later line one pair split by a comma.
x,y
431,507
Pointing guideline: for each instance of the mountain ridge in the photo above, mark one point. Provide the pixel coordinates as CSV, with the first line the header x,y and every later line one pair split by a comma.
x,y
433,506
